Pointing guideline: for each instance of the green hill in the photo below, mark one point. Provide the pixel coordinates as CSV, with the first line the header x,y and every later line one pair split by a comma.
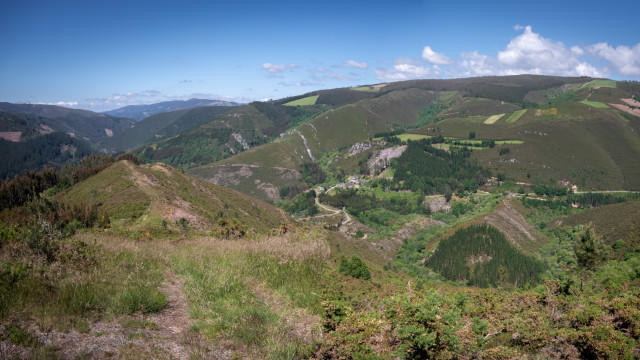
x,y
311,141
159,200
139,112
159,126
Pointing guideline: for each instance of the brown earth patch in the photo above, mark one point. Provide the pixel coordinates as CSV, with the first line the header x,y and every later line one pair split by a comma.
x,y
11,135
627,109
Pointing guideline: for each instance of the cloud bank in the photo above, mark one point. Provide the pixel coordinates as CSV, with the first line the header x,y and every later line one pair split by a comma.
x,y
527,53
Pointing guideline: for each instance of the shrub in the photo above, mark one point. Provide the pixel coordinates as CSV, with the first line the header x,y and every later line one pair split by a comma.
x,y
354,267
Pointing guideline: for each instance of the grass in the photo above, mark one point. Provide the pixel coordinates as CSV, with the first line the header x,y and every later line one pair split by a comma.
x,y
601,83
367,88
595,104
309,100
243,291
413,137
493,118
516,115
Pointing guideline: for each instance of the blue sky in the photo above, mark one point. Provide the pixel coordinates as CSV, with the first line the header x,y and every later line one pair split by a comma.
x,y
101,55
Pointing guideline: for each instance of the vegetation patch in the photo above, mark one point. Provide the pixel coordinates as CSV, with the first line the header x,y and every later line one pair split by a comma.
x,y
481,255
367,88
306,101
595,104
516,115
406,137
493,118
601,83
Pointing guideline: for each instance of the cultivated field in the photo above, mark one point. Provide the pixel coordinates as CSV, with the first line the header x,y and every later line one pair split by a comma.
x,y
601,83
493,118
516,115
595,104
307,101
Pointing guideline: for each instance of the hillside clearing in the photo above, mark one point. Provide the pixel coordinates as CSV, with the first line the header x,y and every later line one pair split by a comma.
x,y
309,100
413,137
493,118
601,83
516,115
595,104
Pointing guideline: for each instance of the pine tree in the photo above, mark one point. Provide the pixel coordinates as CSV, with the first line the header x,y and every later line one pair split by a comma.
x,y
590,252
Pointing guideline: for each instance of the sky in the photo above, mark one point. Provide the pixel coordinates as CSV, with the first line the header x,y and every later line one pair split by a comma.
x,y
102,55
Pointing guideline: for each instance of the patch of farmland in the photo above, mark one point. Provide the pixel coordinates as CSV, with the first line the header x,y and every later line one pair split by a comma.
x,y
366,88
493,118
595,104
632,102
601,83
516,115
307,101
413,137
11,135
627,109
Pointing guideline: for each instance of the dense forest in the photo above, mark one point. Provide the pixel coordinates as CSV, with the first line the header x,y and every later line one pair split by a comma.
x,y
481,256
50,150
424,168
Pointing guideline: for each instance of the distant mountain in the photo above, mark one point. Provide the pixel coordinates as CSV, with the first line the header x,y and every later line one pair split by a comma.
x,y
139,112
544,129
160,126
81,124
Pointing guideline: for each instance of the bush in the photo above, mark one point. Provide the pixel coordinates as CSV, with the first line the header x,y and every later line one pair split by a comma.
x,y
354,267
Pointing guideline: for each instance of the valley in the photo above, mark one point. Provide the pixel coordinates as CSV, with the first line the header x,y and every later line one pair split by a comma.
x,y
492,217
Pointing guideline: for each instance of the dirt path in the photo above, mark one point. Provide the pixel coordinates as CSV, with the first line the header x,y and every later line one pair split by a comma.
x,y
164,335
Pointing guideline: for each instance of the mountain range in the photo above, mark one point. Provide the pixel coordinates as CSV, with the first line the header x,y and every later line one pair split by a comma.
x,y
139,112
490,217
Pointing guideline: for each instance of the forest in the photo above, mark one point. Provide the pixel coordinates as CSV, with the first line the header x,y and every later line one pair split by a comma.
x,y
480,255
50,150
426,169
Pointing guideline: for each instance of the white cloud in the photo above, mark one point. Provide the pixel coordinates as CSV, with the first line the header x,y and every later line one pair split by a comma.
x,y
338,76
354,64
434,57
625,59
276,69
405,69
477,64
301,83
529,53
62,103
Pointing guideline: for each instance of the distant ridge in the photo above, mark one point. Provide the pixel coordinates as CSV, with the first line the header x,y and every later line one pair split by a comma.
x,y
139,112
81,124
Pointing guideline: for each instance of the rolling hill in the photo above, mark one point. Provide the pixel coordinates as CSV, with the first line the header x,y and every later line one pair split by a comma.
x,y
160,126
160,200
139,112
82,124
558,139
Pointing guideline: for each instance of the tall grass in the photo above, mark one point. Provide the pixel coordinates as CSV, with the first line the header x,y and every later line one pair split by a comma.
x,y
244,290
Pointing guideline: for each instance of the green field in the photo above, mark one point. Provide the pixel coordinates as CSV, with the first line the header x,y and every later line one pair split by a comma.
x,y
602,83
367,88
516,115
493,118
309,100
595,104
405,137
